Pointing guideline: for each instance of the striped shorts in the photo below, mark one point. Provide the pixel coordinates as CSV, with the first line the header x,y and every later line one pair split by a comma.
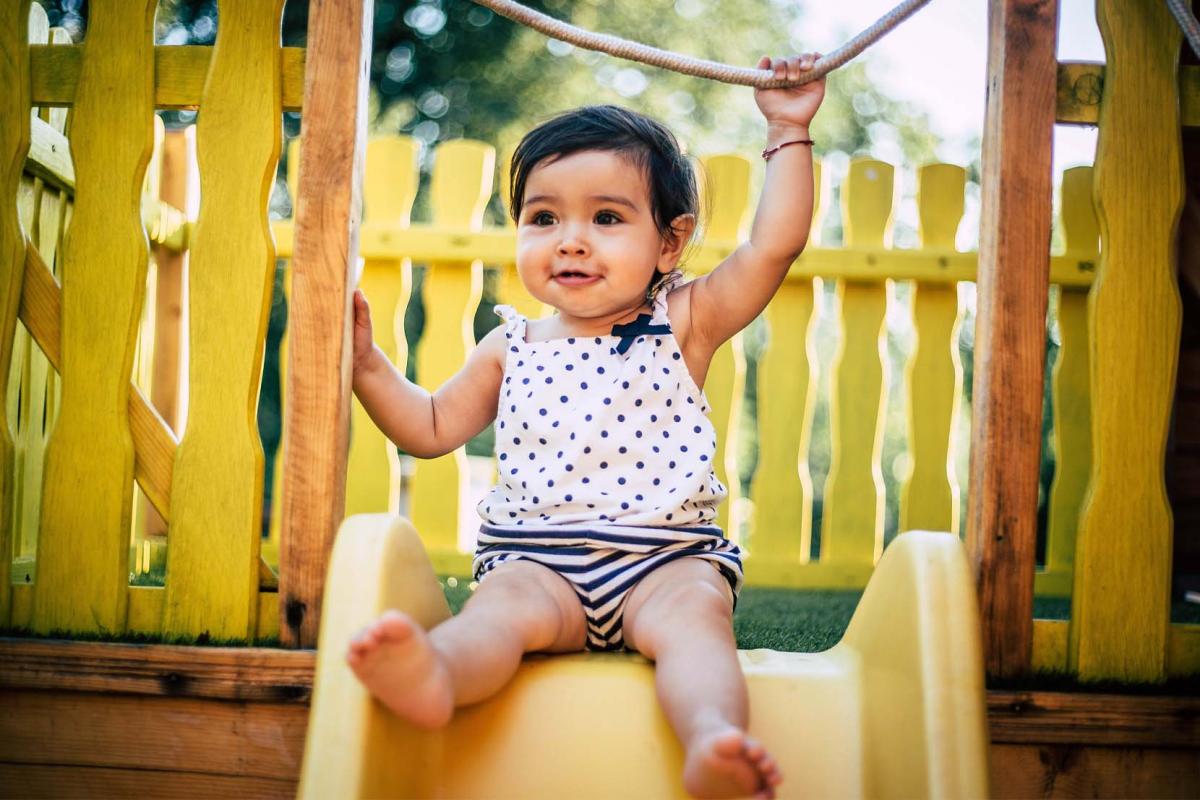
x,y
603,566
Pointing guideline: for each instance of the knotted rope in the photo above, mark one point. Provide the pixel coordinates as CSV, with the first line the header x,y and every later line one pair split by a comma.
x,y
743,76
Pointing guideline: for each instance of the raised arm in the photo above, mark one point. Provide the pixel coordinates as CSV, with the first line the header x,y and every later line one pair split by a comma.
x,y
732,295
424,424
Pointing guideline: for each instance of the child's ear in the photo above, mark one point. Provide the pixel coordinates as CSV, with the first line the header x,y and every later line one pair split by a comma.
x,y
682,228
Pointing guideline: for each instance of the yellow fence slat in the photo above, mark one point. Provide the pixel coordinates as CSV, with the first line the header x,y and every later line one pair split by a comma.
x,y
1072,407
216,505
14,144
83,544
929,495
852,526
461,186
511,289
390,187
39,406
787,394
1120,601
729,180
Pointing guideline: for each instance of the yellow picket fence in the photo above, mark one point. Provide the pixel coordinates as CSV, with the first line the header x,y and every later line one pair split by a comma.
x,y
82,437
455,246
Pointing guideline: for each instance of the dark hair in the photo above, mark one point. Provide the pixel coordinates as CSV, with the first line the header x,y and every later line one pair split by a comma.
x,y
645,141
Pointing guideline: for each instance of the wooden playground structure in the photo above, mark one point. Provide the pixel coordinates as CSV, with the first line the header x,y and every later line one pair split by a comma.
x,y
95,468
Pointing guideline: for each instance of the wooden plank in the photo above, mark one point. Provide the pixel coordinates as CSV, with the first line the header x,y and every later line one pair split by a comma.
x,y
38,781
424,242
373,467
1104,719
1024,771
1081,84
243,739
787,400
226,673
728,178
216,494
1011,325
318,391
1071,388
83,543
1120,608
461,187
852,524
179,73
154,442
929,496
14,144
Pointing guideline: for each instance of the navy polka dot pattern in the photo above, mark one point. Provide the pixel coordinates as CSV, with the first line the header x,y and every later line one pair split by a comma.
x,y
586,436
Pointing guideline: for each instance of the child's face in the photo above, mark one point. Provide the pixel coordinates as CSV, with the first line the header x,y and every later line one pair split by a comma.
x,y
586,239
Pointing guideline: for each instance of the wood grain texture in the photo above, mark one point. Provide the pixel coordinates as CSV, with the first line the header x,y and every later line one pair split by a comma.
x,y
1066,771
318,388
852,525
1120,608
216,492
14,144
461,186
180,72
373,467
1071,387
1102,719
929,496
1011,325
83,542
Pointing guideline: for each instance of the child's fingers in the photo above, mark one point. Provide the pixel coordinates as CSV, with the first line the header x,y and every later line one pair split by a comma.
x,y
764,62
794,68
779,67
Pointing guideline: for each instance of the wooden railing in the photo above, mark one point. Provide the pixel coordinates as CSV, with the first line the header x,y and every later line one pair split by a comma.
x,y
776,528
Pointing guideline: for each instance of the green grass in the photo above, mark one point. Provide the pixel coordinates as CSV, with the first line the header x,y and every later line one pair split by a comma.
x,y
779,619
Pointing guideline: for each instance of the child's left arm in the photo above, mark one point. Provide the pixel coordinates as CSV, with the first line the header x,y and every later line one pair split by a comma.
x,y
732,295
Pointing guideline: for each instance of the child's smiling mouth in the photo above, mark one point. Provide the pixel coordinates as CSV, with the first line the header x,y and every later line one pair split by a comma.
x,y
575,278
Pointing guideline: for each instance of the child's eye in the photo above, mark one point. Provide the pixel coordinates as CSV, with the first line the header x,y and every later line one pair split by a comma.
x,y
607,218
542,218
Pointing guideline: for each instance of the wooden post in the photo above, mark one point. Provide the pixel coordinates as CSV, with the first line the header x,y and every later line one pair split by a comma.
x,y
1010,332
14,144
333,143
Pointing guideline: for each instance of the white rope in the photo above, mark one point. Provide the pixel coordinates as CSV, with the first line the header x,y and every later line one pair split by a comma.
x,y
743,76
1187,23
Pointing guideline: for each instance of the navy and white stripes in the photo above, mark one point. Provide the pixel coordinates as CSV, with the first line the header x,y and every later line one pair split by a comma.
x,y
604,564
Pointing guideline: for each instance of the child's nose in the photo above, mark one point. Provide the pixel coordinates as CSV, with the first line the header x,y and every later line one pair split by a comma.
x,y
572,246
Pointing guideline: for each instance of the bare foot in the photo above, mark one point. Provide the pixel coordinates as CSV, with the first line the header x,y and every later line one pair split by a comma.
x,y
395,661
728,763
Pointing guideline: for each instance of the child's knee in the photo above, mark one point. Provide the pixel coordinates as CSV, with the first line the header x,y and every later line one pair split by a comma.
x,y
684,606
517,596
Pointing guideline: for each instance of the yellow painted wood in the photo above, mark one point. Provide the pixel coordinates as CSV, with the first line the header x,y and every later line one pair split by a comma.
x,y
424,242
14,144
83,543
40,405
728,178
929,494
787,396
390,187
1071,387
1081,83
1183,651
216,495
1051,639
1050,645
154,443
180,73
852,527
461,187
1120,606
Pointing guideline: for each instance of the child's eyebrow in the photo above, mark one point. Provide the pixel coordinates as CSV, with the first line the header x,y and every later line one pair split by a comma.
x,y
609,198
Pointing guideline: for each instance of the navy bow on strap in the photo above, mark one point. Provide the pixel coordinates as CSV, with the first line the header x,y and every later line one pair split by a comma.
x,y
631,330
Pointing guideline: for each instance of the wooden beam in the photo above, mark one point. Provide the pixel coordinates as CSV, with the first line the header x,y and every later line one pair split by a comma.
x,y
1014,263
316,426
179,75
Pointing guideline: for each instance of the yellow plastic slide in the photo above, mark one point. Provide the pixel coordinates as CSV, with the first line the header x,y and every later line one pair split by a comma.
x,y
896,709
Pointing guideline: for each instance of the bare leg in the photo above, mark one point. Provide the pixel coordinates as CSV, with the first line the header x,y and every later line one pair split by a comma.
x,y
422,676
680,616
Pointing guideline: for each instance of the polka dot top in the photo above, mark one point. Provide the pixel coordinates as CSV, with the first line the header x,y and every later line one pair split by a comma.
x,y
602,431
